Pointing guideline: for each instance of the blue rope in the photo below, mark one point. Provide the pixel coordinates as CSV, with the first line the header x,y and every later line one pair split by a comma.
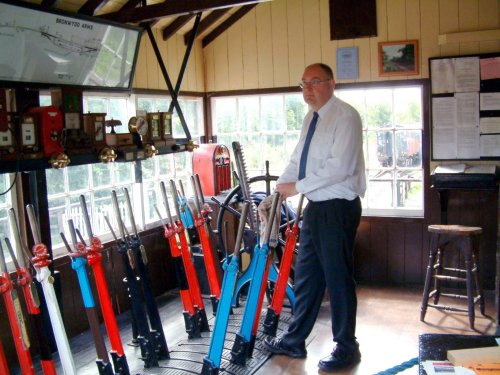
x,y
399,368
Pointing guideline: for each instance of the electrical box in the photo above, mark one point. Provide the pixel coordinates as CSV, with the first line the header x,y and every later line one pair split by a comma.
x,y
50,121
212,163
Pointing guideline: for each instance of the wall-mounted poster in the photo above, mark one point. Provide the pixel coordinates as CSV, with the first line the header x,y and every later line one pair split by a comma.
x,y
347,63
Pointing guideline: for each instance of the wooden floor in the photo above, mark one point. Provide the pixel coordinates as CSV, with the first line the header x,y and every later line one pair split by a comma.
x,y
388,327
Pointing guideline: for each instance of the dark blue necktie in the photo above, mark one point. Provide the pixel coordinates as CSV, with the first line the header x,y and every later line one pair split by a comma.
x,y
307,143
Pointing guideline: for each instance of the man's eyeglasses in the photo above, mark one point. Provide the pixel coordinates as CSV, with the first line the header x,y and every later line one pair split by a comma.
x,y
312,83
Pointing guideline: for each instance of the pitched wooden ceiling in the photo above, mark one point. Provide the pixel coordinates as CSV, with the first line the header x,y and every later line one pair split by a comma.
x,y
171,16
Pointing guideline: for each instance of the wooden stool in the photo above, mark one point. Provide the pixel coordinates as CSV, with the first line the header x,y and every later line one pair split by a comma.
x,y
467,239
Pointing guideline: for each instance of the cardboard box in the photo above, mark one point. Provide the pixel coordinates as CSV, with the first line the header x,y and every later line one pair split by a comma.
x,y
474,356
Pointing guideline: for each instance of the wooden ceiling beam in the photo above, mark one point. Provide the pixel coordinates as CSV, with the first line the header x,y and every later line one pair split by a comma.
x,y
206,22
175,25
227,24
172,8
91,6
130,4
47,3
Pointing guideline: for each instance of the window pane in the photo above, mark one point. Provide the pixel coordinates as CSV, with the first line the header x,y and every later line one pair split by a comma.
x,y
55,181
165,166
409,194
94,105
78,177
249,113
408,148
118,111
145,104
225,115
162,105
123,172
380,153
58,220
103,206
148,169
101,174
150,200
380,194
296,110
379,108
272,112
408,107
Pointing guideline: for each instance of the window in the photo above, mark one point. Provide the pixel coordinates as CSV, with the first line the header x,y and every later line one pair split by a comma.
x,y
116,108
268,127
96,181
192,110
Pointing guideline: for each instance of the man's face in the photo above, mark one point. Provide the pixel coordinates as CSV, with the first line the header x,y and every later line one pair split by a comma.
x,y
316,95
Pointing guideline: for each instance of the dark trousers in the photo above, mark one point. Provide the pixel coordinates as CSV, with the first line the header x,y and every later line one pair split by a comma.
x,y
325,259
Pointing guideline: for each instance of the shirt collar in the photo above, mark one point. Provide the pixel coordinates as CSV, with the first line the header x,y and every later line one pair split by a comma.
x,y
326,107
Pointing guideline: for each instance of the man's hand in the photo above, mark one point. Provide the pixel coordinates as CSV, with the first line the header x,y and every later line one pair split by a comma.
x,y
286,190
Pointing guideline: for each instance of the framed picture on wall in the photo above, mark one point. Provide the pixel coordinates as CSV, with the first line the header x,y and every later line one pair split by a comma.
x,y
399,58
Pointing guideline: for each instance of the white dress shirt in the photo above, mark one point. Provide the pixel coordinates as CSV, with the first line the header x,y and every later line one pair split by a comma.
x,y
335,163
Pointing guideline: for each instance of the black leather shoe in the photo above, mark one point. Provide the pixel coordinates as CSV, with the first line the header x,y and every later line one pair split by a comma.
x,y
276,346
339,360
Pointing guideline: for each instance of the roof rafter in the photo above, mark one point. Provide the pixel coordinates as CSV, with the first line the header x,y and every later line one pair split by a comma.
x,y
172,8
206,22
175,25
227,23
91,6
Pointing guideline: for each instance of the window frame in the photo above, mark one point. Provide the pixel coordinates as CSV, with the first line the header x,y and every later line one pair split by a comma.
x,y
424,87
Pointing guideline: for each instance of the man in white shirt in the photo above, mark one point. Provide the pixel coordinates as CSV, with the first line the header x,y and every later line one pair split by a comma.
x,y
327,166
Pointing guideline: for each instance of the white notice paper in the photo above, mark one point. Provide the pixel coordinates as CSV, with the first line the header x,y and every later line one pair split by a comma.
x,y
443,76
467,109
490,101
468,143
490,145
489,125
444,112
444,143
467,74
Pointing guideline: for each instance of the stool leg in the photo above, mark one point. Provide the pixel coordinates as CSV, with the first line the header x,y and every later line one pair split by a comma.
x,y
479,287
428,276
438,271
467,248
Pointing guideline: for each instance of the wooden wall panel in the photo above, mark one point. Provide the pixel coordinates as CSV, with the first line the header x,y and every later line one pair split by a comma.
x,y
448,23
381,36
413,249
396,20
297,29
235,58
312,31
362,253
250,51
265,45
279,30
396,251
429,26
488,19
141,71
221,68
200,84
209,67
379,252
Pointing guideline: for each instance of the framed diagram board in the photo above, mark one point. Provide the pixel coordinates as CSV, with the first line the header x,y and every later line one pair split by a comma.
x,y
465,107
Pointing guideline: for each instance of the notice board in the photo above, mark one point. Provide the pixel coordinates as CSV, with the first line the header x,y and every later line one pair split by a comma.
x,y
465,107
